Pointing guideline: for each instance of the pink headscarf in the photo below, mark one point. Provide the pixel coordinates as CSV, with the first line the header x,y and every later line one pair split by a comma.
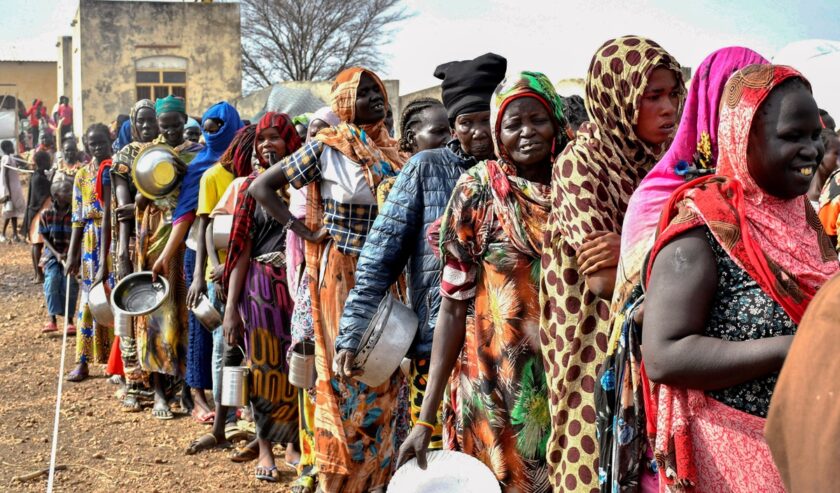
x,y
696,143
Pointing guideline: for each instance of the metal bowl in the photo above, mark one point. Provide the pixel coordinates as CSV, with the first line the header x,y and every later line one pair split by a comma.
x,y
207,314
99,301
137,295
156,171
385,342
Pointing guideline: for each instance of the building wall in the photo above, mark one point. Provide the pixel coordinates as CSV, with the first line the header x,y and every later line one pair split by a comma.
x,y
30,80
64,66
113,36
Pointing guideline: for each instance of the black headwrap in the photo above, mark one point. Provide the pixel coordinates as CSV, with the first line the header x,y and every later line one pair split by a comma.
x,y
468,84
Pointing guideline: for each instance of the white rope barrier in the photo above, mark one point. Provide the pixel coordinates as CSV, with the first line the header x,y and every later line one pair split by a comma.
x,y
60,386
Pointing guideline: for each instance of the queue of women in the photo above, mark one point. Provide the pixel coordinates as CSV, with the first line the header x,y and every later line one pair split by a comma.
x,y
602,305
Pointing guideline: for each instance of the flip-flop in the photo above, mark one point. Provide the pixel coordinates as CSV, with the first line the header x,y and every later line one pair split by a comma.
x,y
49,327
162,414
268,474
71,330
206,418
131,405
244,454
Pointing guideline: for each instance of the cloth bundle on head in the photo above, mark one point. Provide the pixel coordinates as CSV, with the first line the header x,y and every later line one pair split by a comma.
x,y
215,145
170,104
696,141
468,84
243,219
778,242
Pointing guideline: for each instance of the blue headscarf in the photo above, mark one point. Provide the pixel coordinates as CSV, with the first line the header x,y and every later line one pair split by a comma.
x,y
124,136
215,145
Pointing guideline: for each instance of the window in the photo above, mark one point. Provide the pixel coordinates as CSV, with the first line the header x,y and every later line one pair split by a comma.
x,y
159,76
155,84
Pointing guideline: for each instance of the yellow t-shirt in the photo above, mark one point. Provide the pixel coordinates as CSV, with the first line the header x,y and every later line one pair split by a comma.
x,y
213,184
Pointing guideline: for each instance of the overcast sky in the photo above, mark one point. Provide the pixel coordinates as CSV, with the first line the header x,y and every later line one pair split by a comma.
x,y
557,37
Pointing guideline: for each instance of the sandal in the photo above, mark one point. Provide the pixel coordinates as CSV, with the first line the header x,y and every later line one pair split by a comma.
x,y
77,376
71,330
268,474
205,442
162,413
131,405
205,419
49,327
244,454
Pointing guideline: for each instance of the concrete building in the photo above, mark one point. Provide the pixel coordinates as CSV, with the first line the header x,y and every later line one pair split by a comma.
x,y
28,80
124,51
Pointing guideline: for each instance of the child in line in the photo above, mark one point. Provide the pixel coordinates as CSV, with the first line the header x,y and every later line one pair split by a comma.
x,y
55,228
93,344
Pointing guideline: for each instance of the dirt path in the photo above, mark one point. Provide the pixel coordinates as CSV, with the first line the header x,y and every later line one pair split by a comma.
x,y
104,448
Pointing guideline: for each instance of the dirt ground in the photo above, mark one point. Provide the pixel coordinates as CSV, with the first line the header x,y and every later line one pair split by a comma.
x,y
103,448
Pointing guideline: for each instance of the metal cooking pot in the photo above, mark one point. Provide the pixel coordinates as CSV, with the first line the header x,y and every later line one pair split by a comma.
x,y
235,386
386,341
207,314
137,295
157,171
222,226
99,301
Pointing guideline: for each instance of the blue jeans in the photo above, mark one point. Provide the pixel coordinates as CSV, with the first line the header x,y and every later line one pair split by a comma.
x,y
55,284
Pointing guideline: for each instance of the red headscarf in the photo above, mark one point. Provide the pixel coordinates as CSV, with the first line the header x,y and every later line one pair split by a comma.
x,y
284,126
243,219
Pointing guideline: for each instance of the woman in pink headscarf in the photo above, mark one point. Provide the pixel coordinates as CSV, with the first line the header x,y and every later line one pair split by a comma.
x,y
625,459
693,153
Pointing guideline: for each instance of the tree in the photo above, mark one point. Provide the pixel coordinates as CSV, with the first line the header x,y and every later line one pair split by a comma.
x,y
313,39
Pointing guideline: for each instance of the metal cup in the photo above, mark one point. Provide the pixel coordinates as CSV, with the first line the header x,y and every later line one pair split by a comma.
x,y
235,386
302,372
122,324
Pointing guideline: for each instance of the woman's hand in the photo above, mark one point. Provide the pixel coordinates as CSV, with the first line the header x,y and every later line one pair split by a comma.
x,y
343,364
318,236
232,327
197,288
71,268
217,274
415,445
125,213
600,250
160,267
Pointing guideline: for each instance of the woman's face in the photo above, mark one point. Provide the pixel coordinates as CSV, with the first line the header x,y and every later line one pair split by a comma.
x,y
785,146
99,145
370,102
271,146
431,131
473,132
658,107
70,150
212,125
146,124
172,127
316,126
527,131
193,134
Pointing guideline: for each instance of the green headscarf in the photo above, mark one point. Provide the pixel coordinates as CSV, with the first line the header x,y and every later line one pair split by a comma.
x,y
527,84
170,104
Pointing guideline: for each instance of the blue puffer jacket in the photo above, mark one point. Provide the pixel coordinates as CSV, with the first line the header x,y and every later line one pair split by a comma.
x,y
398,239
